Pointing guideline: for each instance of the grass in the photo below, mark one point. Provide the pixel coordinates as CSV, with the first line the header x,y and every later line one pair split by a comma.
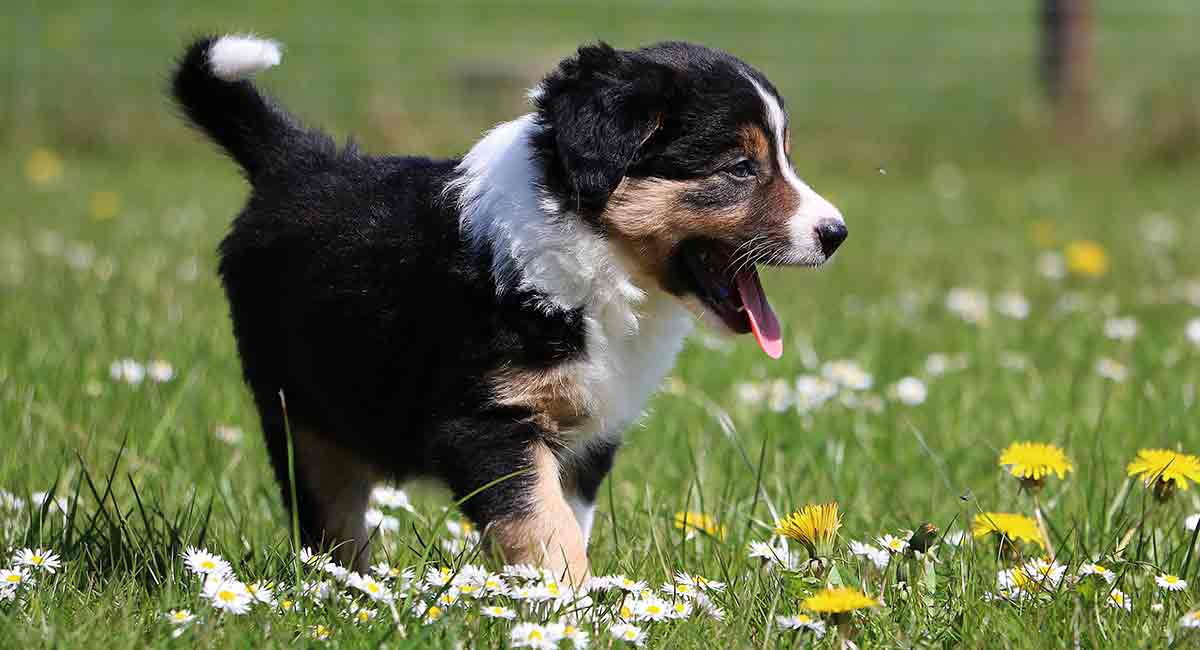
x,y
922,123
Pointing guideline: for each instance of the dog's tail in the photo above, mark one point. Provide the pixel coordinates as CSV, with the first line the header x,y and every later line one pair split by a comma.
x,y
211,85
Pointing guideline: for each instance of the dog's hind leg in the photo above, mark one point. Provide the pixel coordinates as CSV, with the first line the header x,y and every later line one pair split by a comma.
x,y
333,487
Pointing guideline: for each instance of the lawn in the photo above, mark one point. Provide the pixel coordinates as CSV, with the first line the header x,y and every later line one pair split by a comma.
x,y
1001,283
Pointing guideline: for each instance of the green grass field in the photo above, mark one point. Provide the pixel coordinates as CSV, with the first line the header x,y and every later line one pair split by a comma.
x,y
920,120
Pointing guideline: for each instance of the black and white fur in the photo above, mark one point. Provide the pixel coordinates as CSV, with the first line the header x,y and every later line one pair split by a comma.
x,y
468,319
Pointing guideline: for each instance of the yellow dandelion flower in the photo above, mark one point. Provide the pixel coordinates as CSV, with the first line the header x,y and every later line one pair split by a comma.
x,y
1032,462
1008,526
1086,258
814,526
43,167
838,600
1164,470
699,522
104,205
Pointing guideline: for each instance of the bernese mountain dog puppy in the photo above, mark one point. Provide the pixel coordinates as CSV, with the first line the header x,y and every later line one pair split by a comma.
x,y
495,322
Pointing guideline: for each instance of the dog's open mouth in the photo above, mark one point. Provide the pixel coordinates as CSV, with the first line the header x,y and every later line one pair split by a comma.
x,y
733,292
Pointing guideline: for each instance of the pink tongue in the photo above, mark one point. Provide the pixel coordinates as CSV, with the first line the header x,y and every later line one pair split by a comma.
x,y
763,321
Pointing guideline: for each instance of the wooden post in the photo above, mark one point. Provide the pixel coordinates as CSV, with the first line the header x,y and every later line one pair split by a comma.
x,y
1066,58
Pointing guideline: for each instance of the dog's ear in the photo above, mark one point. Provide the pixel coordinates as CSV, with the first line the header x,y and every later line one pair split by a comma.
x,y
601,106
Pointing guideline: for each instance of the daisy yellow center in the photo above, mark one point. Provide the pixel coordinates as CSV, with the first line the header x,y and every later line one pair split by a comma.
x,y
1099,569
14,577
804,618
466,589
36,559
553,589
1193,616
680,607
364,616
226,595
287,604
1170,580
372,587
653,609
1118,598
569,630
630,634
207,564
435,613
683,589
179,616
535,635
626,612
895,544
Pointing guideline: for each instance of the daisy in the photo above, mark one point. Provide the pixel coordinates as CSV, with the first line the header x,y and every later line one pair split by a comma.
x,y
847,374
628,633
877,556
710,608
376,518
310,558
496,611
1093,569
1121,329
363,615
1013,305
160,371
128,371
38,558
1032,462
811,392
774,552
698,522
228,434
263,593
429,614
321,632
1008,527
319,590
1190,522
571,632
374,589
439,577
910,391
201,562
524,571
1164,470
630,585
337,571
1190,619
460,529
390,497
838,601
229,595
494,585
448,598
1118,600
1193,331
1112,370
651,609
532,635
179,616
1170,582
801,622
681,609
893,544
1086,258
1047,573
971,305
813,526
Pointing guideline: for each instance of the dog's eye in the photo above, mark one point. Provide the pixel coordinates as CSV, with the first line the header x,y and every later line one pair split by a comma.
x,y
742,169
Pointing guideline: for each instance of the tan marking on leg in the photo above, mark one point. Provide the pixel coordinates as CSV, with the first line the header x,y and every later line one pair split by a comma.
x,y
341,484
549,535
552,394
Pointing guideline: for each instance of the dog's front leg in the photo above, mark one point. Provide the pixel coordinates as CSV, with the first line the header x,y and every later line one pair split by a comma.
x,y
525,511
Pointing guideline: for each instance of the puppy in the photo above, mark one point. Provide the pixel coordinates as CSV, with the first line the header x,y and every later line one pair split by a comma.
x,y
496,322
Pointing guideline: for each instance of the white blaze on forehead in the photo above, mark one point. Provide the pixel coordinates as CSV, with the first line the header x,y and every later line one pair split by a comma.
x,y
813,207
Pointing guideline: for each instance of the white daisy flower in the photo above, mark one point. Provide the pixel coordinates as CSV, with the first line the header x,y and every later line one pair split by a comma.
x,y
532,635
374,589
525,571
1112,370
376,518
801,622
878,556
847,374
228,434
651,609
1048,574
1013,305
448,598
811,392
494,585
13,578
201,562
628,633
390,497
1118,600
229,595
566,630
629,585
321,632
1190,619
893,544
438,577
1157,607
179,616
319,590
971,305
1170,582
497,611
1121,328
1093,569
336,571
955,537
461,529
1190,522
40,499
361,615
1052,266
262,592
910,391
311,558
769,551
38,558
1192,331
160,371
681,609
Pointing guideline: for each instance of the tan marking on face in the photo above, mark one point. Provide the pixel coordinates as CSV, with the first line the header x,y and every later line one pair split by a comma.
x,y
787,142
549,535
756,144
552,395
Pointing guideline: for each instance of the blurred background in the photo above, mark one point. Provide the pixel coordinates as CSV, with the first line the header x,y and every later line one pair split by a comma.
x,y
966,141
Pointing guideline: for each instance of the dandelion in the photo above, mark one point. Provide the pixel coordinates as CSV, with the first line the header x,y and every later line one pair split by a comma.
x,y
1164,470
628,633
228,595
201,562
910,391
814,526
1190,619
104,205
497,611
801,622
1170,582
1086,259
1118,600
38,558
1112,370
837,602
43,167
179,616
698,522
532,635
1032,462
1008,527
1092,569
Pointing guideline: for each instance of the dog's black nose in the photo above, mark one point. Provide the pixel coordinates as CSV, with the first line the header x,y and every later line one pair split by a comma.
x,y
831,233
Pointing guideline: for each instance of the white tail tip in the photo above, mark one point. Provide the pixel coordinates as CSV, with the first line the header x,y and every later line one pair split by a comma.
x,y
238,57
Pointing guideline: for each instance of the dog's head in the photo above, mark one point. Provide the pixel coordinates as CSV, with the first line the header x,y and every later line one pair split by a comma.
x,y
680,155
